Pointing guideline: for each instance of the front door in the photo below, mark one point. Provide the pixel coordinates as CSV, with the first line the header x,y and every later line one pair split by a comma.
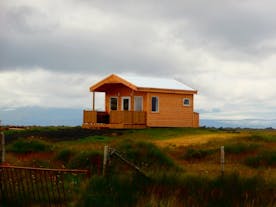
x,y
126,103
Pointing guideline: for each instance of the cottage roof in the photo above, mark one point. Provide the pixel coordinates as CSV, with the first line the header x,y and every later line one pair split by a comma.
x,y
142,83
157,83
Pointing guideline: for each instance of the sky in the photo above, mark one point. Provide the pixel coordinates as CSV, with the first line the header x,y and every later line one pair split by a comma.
x,y
52,51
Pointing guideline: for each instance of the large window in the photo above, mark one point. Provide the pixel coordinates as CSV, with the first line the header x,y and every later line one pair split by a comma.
x,y
138,103
154,104
114,103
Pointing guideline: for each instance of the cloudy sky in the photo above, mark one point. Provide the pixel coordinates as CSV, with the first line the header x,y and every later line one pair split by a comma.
x,y
52,51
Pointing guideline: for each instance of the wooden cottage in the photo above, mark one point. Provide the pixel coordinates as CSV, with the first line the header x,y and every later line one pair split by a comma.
x,y
139,102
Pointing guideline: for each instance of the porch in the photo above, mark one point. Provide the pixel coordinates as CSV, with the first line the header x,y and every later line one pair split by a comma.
x,y
114,119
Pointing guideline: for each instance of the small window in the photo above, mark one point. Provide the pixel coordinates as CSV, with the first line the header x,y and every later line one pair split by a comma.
x,y
114,103
186,102
154,104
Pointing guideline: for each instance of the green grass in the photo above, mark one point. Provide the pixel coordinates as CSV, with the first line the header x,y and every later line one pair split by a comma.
x,y
172,190
27,146
146,155
240,147
262,136
166,133
263,159
249,151
85,159
96,138
193,153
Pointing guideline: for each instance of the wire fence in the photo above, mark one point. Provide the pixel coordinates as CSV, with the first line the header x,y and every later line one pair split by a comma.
x,y
25,186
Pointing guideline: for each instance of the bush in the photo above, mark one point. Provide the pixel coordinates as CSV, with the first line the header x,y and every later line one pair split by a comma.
x,y
264,159
237,148
146,155
178,190
192,153
85,160
111,191
26,146
262,137
64,155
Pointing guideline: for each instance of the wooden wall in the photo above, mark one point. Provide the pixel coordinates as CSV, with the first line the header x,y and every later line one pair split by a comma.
x,y
171,112
119,91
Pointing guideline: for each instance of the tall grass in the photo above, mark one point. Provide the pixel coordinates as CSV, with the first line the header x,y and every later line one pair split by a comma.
x,y
29,145
146,155
263,159
240,147
170,190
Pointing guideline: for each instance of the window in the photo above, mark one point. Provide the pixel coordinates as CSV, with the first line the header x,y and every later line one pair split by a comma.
x,y
138,103
113,103
186,102
125,103
154,104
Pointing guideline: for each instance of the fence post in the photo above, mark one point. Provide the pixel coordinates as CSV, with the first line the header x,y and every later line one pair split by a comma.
x,y
2,147
105,157
222,159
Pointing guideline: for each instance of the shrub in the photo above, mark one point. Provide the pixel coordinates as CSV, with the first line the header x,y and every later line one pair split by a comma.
x,y
265,159
85,160
237,148
25,146
262,137
146,155
64,155
111,191
192,153
178,190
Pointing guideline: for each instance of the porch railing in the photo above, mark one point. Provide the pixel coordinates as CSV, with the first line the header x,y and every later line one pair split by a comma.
x,y
114,117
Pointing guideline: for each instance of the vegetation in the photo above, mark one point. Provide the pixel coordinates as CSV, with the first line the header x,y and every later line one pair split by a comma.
x,y
29,145
263,159
182,165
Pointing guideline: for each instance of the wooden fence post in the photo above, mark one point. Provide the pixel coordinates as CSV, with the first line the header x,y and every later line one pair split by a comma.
x,y
222,159
2,147
105,157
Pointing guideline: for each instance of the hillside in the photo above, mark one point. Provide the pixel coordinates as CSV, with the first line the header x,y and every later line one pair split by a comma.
x,y
173,159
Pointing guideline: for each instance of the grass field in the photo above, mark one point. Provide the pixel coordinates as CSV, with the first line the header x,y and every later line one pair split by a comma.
x,y
177,162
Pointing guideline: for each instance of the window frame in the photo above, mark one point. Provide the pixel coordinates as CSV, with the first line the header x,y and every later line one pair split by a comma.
x,y
115,97
183,101
129,103
156,104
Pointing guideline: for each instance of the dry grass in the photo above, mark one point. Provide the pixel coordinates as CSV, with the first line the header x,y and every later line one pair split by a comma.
x,y
198,139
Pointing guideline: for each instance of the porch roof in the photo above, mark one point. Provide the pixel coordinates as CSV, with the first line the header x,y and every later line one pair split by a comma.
x,y
138,83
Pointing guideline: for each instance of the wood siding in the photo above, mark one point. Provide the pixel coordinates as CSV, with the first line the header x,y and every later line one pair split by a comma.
x,y
171,112
89,116
127,117
120,91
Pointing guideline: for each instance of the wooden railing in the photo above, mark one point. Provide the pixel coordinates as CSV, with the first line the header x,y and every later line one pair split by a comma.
x,y
115,117
89,116
127,117
196,119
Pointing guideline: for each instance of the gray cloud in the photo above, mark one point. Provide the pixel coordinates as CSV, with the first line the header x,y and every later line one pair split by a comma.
x,y
132,35
225,49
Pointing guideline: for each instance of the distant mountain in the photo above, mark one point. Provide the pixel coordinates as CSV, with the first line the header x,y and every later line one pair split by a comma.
x,y
41,116
243,123
73,117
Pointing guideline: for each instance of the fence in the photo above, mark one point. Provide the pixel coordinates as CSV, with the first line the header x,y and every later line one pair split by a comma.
x,y
24,186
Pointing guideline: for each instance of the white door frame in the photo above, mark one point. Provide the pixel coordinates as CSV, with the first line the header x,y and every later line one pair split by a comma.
x,y
129,102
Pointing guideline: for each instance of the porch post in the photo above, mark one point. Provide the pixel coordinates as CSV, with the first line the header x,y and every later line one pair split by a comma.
x,y
93,102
